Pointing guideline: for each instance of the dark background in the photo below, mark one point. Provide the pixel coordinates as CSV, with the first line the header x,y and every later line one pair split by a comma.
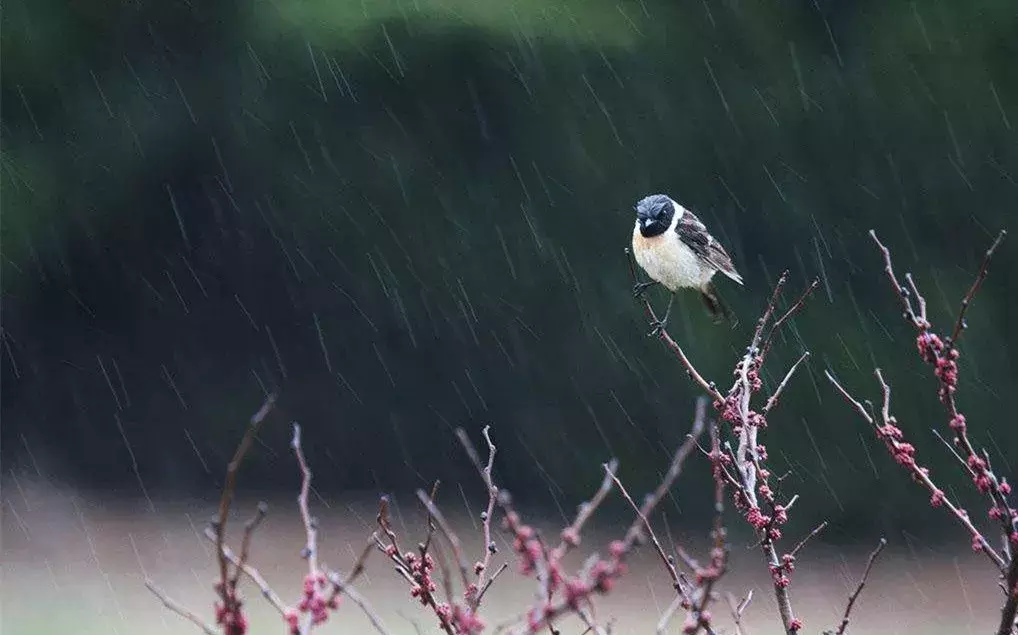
x,y
408,216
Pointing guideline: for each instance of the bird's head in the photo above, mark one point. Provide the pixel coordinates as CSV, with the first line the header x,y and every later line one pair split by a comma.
x,y
654,214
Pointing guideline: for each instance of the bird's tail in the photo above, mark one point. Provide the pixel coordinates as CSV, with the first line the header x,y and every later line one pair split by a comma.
x,y
718,310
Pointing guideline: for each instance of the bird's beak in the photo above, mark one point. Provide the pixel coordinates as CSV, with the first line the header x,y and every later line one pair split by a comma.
x,y
644,222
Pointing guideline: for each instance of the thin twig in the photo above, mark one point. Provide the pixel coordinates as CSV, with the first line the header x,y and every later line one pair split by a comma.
x,y
386,525
310,551
862,582
669,613
738,609
769,310
792,310
491,581
310,523
431,520
485,471
901,292
773,400
585,511
959,324
340,584
812,534
230,487
548,611
914,290
674,470
443,569
253,574
669,566
245,544
179,609
450,535
362,603
954,453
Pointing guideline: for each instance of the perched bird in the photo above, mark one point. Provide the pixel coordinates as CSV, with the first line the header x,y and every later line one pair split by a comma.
x,y
676,250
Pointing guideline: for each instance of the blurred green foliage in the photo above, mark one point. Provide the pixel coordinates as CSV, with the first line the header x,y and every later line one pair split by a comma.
x,y
410,215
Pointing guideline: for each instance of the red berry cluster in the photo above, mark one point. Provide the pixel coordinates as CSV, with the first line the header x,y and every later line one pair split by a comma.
x,y
781,573
462,620
314,601
894,438
944,358
705,576
730,413
571,537
695,622
600,577
730,407
420,570
767,524
525,543
228,611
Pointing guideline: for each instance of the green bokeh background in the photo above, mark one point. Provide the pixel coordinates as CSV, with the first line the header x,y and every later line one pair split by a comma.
x,y
411,215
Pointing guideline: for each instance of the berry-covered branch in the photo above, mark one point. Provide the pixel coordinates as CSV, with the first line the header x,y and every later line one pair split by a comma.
x,y
943,355
322,589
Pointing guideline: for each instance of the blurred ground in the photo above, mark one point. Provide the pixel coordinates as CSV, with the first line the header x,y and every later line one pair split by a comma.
x,y
75,563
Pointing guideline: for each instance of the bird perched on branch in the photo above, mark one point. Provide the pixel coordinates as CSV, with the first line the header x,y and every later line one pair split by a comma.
x,y
675,249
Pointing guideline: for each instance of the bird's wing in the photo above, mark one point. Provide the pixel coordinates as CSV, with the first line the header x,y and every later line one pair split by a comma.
x,y
693,233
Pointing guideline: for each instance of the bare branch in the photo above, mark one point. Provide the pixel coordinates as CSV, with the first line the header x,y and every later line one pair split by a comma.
x,y
431,519
450,535
245,545
674,470
669,613
792,310
179,609
1010,608
959,324
386,525
571,534
769,310
485,470
641,516
362,603
253,574
491,581
737,609
310,551
773,400
902,293
812,534
862,582
339,584
861,409
892,439
228,491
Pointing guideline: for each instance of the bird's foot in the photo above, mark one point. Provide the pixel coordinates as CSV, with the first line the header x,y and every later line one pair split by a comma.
x,y
657,327
640,287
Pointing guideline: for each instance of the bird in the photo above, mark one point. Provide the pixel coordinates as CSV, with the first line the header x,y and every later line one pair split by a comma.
x,y
675,249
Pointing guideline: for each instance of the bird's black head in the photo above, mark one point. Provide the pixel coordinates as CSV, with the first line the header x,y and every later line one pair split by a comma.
x,y
654,215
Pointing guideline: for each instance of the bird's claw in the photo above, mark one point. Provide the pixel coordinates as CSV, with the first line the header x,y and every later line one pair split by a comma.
x,y
657,328
640,287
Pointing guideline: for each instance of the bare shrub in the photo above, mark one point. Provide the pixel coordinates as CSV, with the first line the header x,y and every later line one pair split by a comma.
x,y
452,586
